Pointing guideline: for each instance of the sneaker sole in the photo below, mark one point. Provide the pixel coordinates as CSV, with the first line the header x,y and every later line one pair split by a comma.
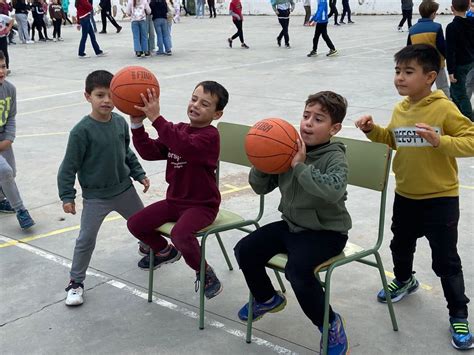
x,y
176,258
460,348
281,307
399,297
215,293
28,226
7,211
73,304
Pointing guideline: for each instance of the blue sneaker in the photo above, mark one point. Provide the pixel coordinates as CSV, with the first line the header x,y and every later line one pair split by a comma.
x,y
5,207
338,344
398,290
462,337
259,309
25,219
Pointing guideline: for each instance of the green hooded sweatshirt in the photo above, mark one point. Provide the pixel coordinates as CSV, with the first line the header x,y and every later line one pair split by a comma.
x,y
313,193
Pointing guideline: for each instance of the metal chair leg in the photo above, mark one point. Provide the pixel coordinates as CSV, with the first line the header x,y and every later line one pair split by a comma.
x,y
280,281
385,287
150,275
219,240
248,339
327,292
202,282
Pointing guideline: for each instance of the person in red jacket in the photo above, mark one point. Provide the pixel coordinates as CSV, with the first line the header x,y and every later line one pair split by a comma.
x,y
192,199
84,11
235,10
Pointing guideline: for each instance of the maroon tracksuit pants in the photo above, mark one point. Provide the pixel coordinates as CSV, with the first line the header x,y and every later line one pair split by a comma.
x,y
189,220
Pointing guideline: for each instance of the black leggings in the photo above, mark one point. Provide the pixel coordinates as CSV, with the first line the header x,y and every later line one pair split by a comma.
x,y
346,9
321,29
406,16
57,28
332,5
285,23
39,25
240,32
305,250
212,7
4,49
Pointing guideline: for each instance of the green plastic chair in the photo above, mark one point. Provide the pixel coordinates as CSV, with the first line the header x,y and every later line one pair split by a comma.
x,y
231,151
369,167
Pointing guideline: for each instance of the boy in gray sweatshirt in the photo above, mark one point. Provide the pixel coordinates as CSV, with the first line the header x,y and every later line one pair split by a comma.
x,y
10,200
98,152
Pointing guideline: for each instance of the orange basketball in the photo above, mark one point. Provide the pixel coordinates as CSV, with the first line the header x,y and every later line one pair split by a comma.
x,y
271,145
127,85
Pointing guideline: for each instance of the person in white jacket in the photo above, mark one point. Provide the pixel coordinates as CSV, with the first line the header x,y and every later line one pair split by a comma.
x,y
137,10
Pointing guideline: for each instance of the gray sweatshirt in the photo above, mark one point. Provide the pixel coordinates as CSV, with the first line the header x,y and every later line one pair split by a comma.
x,y
7,111
407,4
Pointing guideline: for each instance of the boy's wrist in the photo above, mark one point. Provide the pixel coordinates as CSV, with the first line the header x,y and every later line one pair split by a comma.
x,y
136,125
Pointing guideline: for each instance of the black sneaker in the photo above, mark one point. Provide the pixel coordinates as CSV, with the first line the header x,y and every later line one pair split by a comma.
x,y
119,29
243,45
312,53
279,42
212,285
138,54
5,207
229,40
147,54
160,259
332,52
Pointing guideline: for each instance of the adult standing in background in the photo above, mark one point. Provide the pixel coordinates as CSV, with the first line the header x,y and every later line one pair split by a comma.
x,y
212,8
346,10
282,9
333,8
307,12
407,12
106,13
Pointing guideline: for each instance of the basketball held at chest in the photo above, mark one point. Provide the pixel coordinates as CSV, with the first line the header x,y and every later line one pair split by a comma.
x,y
271,145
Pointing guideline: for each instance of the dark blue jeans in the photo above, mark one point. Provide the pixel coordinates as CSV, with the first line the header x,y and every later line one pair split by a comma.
x,y
305,250
87,29
458,90
437,220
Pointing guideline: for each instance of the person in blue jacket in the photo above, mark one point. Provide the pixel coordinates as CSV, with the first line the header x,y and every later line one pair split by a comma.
x,y
321,20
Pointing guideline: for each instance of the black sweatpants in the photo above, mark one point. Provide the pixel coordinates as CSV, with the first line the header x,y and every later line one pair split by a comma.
x,y
322,29
240,32
57,28
104,15
333,7
305,251
346,10
285,23
437,220
406,16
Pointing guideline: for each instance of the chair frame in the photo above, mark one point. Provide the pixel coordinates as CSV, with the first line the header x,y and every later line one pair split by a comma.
x,y
232,151
342,259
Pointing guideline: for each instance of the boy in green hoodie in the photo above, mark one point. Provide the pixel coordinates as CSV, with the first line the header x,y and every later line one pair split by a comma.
x,y
98,152
428,132
314,224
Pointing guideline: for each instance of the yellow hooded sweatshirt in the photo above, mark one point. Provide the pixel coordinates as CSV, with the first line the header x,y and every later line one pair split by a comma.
x,y
422,171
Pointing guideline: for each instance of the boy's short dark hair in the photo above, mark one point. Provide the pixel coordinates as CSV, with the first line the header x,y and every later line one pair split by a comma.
x,y
425,55
333,104
2,55
460,5
428,7
217,90
98,79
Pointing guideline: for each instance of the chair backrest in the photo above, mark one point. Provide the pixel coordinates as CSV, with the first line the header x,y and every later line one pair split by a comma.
x,y
232,143
369,163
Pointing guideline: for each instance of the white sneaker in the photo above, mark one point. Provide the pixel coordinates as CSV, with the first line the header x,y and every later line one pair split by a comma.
x,y
102,54
75,292
60,39
84,56
55,40
30,42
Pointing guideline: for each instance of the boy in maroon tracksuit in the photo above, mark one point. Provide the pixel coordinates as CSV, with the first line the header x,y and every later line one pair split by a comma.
x,y
193,198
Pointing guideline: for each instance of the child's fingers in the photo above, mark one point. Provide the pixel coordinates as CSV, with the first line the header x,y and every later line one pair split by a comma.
x,y
139,108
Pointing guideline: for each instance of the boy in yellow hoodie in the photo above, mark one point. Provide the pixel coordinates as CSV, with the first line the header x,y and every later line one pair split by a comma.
x,y
428,132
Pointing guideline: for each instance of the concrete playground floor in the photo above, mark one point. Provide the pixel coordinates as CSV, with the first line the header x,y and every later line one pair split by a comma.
x,y
264,81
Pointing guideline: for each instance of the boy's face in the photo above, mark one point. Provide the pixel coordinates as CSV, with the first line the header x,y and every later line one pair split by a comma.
x,y
202,108
411,81
316,126
3,70
101,102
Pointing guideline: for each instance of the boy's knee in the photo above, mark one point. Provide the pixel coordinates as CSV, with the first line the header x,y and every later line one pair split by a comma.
x,y
6,174
132,225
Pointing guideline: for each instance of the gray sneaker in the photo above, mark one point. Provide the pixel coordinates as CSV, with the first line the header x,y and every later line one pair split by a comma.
x,y
212,285
331,52
398,290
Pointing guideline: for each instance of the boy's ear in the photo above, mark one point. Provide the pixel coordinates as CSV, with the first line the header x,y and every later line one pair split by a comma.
x,y
335,128
431,77
87,96
217,115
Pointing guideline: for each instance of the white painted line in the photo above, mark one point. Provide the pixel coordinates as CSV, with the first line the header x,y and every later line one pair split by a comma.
x,y
160,302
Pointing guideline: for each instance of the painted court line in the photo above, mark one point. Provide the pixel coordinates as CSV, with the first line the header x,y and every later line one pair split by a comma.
x,y
158,301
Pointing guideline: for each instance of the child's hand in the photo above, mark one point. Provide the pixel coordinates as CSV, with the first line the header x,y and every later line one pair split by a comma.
x,y
5,144
452,79
137,119
365,123
151,105
427,132
300,155
69,207
78,27
146,184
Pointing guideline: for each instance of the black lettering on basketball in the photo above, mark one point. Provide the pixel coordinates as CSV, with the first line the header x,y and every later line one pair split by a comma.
x,y
263,126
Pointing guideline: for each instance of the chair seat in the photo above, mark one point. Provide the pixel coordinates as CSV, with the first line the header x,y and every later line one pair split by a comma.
x,y
279,261
223,218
